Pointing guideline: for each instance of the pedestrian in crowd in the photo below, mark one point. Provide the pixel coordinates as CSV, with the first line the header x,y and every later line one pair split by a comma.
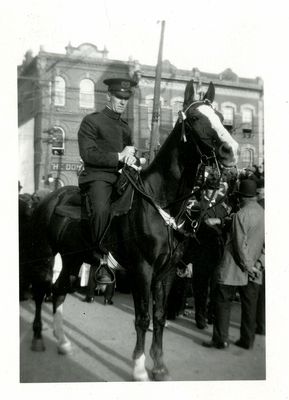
x,y
257,171
91,284
181,288
261,313
208,249
260,308
249,173
105,146
39,195
261,170
242,253
24,240
261,192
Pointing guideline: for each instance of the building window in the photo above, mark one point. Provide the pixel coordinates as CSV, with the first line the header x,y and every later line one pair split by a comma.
x,y
86,93
177,105
228,114
58,138
248,156
59,97
247,122
247,116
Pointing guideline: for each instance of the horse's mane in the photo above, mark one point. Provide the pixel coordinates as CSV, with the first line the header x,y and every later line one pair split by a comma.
x,y
162,157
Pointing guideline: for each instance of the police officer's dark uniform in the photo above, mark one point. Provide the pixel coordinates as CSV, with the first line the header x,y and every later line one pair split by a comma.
x,y
101,137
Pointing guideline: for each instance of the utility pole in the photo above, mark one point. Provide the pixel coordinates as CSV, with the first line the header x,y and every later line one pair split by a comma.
x,y
154,139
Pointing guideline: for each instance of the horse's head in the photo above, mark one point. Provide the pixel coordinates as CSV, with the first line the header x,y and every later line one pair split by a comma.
x,y
202,126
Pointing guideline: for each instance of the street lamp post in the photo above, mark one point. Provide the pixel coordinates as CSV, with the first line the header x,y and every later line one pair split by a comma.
x,y
48,178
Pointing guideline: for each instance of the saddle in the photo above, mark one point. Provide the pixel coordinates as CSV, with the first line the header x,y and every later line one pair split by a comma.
x,y
74,203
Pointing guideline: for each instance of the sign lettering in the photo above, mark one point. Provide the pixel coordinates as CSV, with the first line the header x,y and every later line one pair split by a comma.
x,y
65,167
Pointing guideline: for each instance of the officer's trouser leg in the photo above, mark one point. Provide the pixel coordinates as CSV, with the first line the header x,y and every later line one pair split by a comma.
x,y
99,193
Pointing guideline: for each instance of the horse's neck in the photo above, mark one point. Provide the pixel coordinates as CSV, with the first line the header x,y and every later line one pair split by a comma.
x,y
166,179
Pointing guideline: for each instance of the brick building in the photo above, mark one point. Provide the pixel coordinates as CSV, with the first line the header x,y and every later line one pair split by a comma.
x,y
55,91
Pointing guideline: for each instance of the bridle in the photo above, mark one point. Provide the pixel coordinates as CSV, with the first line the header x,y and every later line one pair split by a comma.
x,y
204,161
184,120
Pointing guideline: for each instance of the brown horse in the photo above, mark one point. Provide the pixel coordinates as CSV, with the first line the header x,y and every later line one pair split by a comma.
x,y
146,239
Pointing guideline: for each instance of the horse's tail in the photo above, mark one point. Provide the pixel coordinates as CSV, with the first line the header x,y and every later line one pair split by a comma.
x,y
42,249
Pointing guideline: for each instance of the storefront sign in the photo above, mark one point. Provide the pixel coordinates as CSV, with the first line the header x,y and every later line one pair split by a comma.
x,y
65,167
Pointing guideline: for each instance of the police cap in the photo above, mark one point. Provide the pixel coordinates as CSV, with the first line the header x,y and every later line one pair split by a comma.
x,y
119,87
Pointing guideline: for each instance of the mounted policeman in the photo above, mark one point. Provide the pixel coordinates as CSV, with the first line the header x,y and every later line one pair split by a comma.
x,y
105,146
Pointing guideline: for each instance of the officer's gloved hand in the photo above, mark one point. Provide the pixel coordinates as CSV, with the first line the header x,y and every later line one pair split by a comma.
x,y
128,151
139,162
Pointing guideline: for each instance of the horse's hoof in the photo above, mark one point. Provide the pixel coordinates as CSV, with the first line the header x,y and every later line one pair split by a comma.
x,y
37,345
143,377
64,348
161,375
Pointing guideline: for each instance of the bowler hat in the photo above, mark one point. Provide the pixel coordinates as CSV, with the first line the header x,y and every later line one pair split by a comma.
x,y
247,188
120,87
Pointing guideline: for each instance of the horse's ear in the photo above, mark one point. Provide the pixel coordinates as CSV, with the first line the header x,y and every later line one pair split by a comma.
x,y
210,95
189,96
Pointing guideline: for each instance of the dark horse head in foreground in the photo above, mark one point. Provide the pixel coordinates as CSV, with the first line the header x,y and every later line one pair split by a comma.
x,y
147,246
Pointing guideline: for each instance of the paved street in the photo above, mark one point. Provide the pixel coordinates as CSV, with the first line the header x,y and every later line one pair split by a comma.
x,y
103,338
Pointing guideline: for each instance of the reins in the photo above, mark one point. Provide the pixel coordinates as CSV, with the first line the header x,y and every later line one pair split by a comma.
x,y
169,220
139,186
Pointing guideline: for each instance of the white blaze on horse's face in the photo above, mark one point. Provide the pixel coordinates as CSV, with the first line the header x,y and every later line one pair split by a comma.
x,y
228,150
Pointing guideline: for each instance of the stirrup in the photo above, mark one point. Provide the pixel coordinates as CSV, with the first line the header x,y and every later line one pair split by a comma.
x,y
104,274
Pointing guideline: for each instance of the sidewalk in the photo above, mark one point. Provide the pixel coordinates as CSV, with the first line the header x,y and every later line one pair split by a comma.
x,y
103,339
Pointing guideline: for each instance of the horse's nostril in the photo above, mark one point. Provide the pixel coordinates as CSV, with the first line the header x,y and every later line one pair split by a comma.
x,y
225,149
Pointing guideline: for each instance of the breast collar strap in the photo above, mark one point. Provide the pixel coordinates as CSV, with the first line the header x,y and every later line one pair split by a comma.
x,y
138,185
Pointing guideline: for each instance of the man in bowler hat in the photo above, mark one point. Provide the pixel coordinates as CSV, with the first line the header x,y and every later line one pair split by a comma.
x,y
238,269
105,146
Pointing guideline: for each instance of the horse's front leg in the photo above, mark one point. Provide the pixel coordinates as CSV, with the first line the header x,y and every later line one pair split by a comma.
x,y
141,295
160,294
